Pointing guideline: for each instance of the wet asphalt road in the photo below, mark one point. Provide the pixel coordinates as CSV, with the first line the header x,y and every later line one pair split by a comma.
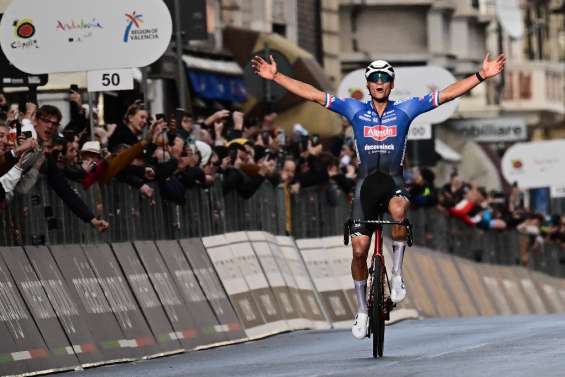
x,y
528,346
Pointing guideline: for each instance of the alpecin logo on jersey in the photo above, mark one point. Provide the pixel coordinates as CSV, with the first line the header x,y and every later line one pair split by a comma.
x,y
380,133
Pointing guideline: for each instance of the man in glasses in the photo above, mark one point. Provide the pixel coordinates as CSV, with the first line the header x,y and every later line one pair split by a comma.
x,y
381,128
22,177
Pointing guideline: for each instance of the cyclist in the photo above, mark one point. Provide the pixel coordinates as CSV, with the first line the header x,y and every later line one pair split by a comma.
x,y
380,127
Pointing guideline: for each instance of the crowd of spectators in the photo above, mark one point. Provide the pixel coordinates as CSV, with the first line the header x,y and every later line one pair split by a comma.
x,y
170,153
485,210
177,152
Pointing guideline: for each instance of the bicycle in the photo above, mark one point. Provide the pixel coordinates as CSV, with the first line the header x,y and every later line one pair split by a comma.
x,y
379,302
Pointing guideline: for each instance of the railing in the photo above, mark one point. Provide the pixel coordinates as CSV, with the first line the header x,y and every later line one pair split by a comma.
x,y
40,217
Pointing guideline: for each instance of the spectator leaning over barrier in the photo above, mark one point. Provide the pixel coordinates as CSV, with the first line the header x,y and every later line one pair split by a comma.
x,y
46,122
131,130
452,192
423,192
290,187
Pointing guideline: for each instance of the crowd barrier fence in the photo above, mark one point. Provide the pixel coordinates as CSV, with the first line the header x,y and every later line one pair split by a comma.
x,y
41,218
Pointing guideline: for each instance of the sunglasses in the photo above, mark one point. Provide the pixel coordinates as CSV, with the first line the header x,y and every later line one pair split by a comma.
x,y
54,123
379,76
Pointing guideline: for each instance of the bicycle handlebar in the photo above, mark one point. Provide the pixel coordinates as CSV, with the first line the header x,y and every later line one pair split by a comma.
x,y
347,228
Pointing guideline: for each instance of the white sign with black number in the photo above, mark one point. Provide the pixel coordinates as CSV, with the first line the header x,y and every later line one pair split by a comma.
x,y
558,191
110,80
420,132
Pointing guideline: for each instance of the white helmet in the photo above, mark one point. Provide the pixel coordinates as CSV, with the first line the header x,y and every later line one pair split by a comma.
x,y
379,66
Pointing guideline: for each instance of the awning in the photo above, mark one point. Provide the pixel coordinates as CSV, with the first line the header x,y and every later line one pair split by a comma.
x,y
57,82
209,65
446,152
213,86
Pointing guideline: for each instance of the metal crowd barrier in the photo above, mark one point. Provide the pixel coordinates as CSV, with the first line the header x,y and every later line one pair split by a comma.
x,y
40,217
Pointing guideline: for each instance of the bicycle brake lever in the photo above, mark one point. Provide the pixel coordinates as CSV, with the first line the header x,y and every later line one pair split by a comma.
x,y
410,239
346,232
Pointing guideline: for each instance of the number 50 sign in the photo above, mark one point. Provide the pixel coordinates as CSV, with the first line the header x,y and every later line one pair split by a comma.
x,y
108,80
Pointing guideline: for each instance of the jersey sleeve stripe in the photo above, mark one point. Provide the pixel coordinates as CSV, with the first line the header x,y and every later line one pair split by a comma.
x,y
436,98
327,105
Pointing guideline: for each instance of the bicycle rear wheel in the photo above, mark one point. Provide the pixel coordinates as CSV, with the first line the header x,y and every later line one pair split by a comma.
x,y
377,309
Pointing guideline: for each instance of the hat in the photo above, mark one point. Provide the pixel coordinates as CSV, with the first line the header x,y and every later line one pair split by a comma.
x,y
299,129
260,152
221,151
241,141
91,147
205,152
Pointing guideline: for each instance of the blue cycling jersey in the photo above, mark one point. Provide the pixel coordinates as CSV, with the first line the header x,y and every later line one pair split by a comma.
x,y
381,140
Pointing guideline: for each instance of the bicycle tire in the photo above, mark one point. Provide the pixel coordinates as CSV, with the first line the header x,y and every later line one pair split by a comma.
x,y
377,309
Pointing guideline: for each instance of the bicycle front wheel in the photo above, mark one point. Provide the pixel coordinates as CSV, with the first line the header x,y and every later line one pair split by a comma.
x,y
377,309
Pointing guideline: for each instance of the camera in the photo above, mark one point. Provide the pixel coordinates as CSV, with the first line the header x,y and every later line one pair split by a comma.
x,y
315,140
265,135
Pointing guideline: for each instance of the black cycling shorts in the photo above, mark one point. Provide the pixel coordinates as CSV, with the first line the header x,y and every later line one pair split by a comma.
x,y
372,195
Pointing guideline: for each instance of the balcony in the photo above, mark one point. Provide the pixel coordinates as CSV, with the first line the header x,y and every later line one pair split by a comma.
x,y
534,86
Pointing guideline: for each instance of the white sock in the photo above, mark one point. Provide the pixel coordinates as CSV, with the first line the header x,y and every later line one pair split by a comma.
x,y
361,294
398,252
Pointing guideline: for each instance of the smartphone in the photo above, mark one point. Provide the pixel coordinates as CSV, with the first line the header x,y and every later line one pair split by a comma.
x,y
27,134
179,114
315,140
281,137
18,129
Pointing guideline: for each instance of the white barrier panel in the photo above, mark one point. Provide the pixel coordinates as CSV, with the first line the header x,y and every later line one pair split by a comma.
x,y
276,280
257,282
328,281
245,303
306,298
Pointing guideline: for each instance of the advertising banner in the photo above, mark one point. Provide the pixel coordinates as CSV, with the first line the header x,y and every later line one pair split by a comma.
x,y
147,298
40,36
137,335
501,129
191,293
92,303
328,281
45,347
196,255
303,282
256,280
297,301
235,285
184,321
536,164
275,278
66,303
22,349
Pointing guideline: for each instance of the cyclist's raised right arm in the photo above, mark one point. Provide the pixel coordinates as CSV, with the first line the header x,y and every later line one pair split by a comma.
x,y
269,71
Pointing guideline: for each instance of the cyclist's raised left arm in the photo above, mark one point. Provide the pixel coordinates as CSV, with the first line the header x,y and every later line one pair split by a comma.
x,y
269,71
490,69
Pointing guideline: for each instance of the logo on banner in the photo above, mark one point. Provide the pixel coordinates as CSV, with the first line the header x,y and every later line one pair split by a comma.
x,y
24,30
356,93
517,164
134,32
380,133
82,29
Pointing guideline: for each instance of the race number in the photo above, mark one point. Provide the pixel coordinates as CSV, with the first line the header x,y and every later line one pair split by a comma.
x,y
420,132
110,80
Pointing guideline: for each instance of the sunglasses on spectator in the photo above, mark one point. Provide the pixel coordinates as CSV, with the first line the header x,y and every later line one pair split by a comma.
x,y
54,123
379,76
